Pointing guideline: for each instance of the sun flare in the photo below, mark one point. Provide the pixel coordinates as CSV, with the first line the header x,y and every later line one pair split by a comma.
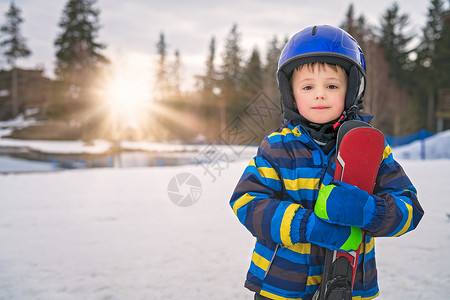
x,y
130,111
126,96
128,90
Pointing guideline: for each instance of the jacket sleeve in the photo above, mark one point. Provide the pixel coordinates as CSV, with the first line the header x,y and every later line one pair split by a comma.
x,y
258,203
398,209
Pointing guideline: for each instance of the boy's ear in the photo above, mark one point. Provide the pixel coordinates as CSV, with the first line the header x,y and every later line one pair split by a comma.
x,y
286,89
287,98
353,84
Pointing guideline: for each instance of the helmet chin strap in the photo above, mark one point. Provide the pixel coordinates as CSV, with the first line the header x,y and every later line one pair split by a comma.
x,y
346,114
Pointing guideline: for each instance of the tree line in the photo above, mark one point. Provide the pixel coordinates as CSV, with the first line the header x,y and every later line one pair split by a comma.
x,y
406,73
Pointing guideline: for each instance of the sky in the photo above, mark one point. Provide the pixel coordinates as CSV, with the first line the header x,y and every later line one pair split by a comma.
x,y
131,28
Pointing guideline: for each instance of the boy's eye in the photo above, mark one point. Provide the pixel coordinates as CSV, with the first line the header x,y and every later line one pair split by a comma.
x,y
332,86
307,87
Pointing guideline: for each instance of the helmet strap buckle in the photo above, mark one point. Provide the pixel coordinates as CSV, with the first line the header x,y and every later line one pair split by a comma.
x,y
346,114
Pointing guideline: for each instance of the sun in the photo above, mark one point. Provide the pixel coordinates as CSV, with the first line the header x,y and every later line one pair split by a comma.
x,y
128,88
131,110
128,91
126,96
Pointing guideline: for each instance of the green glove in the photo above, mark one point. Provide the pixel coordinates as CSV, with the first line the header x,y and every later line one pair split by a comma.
x,y
345,204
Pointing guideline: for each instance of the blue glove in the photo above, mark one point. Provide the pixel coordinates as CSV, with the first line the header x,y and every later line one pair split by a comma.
x,y
345,204
332,236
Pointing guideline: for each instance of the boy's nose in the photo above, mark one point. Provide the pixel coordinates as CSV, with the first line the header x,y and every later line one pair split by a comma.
x,y
320,94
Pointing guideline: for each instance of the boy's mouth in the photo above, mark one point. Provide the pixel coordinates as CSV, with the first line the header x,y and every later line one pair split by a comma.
x,y
320,107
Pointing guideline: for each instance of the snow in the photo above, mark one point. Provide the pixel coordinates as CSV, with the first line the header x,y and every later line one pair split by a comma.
x,y
100,146
115,234
158,147
58,147
7,127
417,265
19,122
436,147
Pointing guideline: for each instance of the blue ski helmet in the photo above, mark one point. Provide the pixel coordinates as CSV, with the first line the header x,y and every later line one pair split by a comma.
x,y
326,44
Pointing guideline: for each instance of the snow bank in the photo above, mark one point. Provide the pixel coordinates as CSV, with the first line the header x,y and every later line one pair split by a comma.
x,y
58,147
436,147
158,147
19,122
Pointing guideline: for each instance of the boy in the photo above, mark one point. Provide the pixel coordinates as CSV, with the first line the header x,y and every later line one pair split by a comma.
x,y
321,78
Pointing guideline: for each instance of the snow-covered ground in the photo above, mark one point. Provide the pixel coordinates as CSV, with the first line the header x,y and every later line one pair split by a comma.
x,y
115,234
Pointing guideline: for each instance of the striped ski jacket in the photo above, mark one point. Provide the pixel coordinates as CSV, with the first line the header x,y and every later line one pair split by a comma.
x,y
275,196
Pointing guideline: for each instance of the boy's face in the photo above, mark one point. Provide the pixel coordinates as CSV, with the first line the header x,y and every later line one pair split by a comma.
x,y
319,92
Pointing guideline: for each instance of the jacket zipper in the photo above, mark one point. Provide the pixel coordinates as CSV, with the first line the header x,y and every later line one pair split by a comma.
x,y
326,161
324,158
271,261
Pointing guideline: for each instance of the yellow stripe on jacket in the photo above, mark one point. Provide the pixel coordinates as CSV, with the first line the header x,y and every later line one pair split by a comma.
x,y
408,221
246,198
285,131
260,261
301,183
285,230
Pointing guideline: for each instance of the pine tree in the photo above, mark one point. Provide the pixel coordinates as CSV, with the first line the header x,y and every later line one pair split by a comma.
x,y
356,27
209,80
427,76
442,67
430,34
349,23
252,77
176,75
13,44
232,59
231,72
13,47
210,111
77,49
162,81
442,58
395,42
396,45
270,69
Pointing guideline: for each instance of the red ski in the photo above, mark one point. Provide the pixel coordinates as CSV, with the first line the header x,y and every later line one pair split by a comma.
x,y
360,150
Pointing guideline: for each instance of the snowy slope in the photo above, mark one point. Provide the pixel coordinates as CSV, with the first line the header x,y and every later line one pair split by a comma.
x,y
114,234
435,147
